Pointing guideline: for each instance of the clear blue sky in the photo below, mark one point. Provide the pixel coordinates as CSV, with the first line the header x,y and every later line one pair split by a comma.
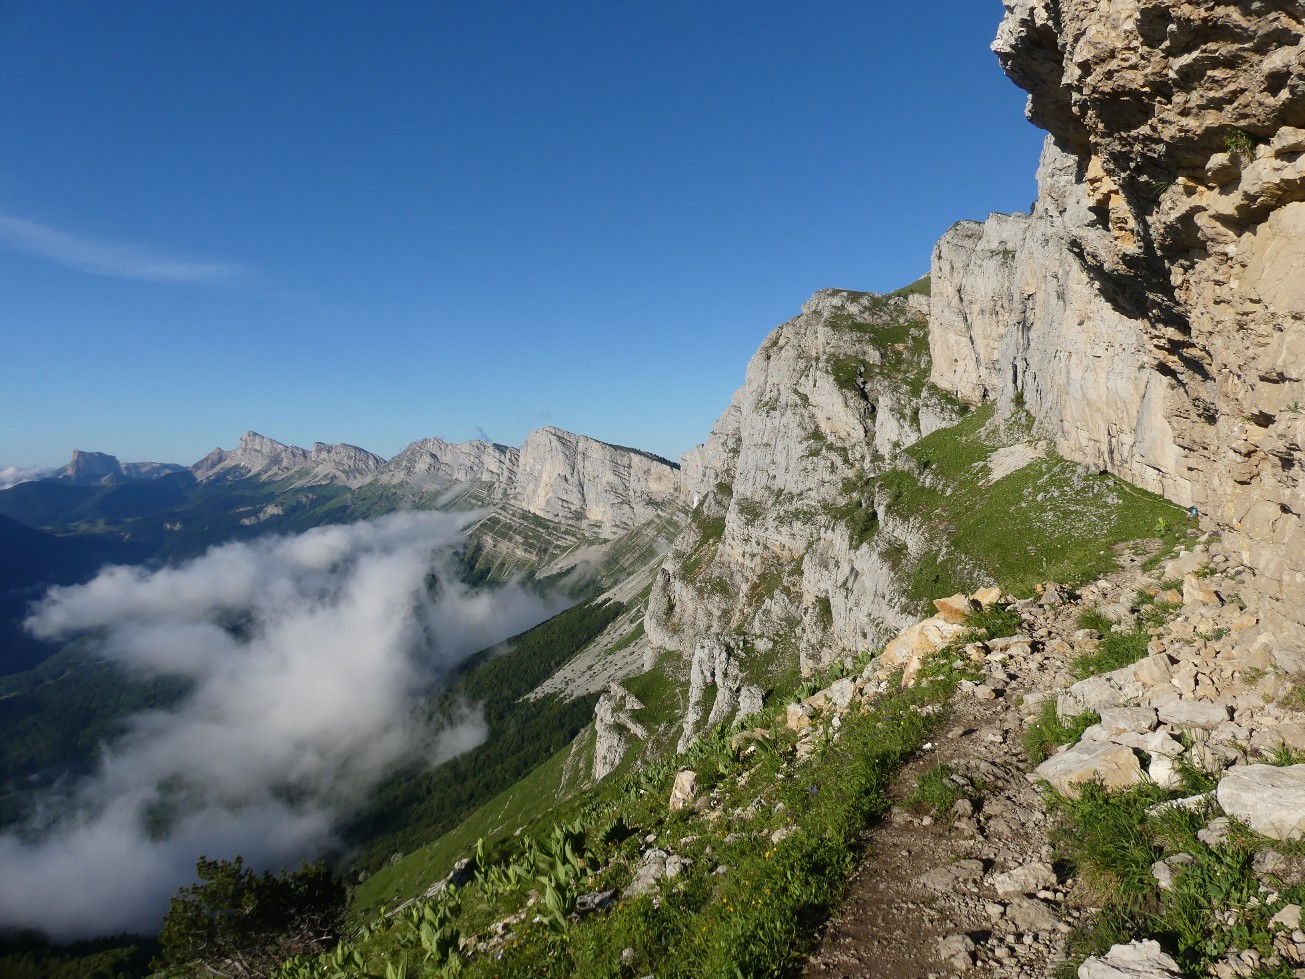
x,y
371,223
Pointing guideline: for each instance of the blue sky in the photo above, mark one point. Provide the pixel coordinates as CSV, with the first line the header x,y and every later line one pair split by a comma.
x,y
371,223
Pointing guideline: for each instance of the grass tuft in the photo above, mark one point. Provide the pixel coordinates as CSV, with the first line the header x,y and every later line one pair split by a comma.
x,y
1048,732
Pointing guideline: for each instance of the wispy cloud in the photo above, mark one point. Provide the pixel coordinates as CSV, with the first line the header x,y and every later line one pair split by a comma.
x,y
13,475
105,258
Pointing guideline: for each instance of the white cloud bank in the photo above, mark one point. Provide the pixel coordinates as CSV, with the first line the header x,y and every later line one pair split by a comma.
x,y
13,475
307,655
109,259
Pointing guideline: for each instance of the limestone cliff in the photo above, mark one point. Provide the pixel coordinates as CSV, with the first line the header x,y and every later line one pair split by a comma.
x,y
597,489
609,488
594,489
783,560
1150,310
433,465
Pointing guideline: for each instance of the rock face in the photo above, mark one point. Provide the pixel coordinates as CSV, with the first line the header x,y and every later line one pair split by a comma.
x,y
612,489
432,464
613,721
1016,317
774,549
256,456
342,464
1150,310
259,457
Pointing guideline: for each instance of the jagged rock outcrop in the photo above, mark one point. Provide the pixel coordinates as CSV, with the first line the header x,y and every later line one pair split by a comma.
x,y
341,464
716,677
433,465
255,456
259,457
1153,312
613,721
779,551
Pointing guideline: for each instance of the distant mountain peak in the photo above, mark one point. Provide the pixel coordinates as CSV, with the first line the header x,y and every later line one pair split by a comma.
x,y
259,457
89,468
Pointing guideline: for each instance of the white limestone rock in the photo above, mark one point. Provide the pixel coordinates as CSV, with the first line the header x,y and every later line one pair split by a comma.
x,y
1115,766
1134,960
1269,799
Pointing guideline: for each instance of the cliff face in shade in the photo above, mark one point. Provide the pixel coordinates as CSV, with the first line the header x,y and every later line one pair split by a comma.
x,y
1015,317
1151,310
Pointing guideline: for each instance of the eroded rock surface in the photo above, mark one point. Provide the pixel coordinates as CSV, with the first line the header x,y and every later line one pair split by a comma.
x,y
1150,310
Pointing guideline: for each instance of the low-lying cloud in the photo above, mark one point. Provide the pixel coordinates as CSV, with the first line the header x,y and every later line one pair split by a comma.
x,y
307,655
13,475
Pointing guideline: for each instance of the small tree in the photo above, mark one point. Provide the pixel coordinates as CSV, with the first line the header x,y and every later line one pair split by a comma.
x,y
241,925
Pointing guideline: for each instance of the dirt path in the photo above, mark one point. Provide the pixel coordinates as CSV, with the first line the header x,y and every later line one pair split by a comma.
x,y
926,882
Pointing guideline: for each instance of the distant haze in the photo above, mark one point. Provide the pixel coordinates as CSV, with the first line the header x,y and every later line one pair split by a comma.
x,y
307,655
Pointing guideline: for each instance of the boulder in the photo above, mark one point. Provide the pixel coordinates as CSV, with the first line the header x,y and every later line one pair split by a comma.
x,y
1199,591
1288,917
1031,916
1153,743
1118,720
954,608
1134,960
1270,800
1193,714
1097,693
1166,870
1154,670
957,951
650,872
798,717
685,789
945,879
916,642
842,692
595,901
987,596
1028,879
1183,565
1115,766
1165,773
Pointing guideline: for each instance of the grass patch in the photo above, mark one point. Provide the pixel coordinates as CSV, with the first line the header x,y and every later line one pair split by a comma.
x,y
995,621
920,287
1049,731
1114,651
1215,904
1050,520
